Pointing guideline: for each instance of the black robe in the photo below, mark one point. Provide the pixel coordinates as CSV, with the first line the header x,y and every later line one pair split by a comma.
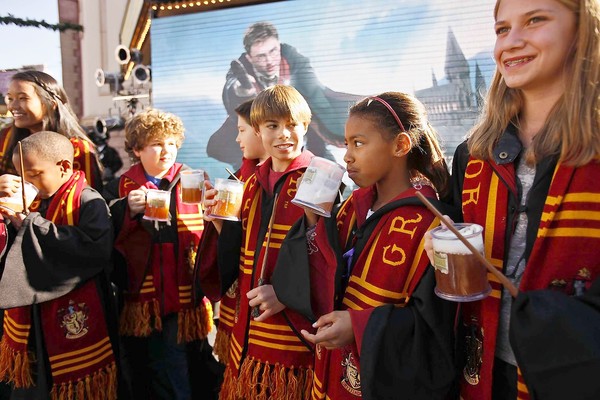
x,y
406,352
45,261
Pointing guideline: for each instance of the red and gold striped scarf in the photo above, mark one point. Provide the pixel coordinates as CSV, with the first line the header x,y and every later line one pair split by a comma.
x,y
81,358
229,303
142,311
565,248
276,362
386,271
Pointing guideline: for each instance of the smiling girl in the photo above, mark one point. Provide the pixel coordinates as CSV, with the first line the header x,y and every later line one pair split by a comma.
x,y
527,173
38,103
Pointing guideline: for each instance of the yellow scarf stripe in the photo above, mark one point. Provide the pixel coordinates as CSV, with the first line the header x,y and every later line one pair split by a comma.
x,y
9,134
317,389
582,197
571,215
490,223
388,295
417,259
87,158
251,218
365,270
275,327
391,295
569,232
94,358
17,332
76,353
14,338
351,305
282,338
235,352
227,319
13,323
224,310
300,348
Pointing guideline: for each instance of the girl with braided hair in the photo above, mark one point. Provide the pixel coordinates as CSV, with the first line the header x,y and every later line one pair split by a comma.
x,y
38,103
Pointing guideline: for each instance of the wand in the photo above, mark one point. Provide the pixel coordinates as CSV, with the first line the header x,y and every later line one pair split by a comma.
x,y
22,179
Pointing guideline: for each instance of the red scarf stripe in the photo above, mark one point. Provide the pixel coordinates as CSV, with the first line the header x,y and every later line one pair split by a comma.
x,y
361,294
95,358
317,390
16,335
522,392
9,132
77,359
15,325
235,352
418,261
270,344
226,315
83,157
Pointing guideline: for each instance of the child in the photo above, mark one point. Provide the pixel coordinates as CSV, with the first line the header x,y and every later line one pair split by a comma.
x,y
38,103
59,332
268,358
528,174
253,153
370,259
159,321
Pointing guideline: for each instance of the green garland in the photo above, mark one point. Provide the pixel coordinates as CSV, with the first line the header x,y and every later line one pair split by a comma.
x,y
61,26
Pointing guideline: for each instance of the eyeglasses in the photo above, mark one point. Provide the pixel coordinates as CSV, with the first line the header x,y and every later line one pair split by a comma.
x,y
274,53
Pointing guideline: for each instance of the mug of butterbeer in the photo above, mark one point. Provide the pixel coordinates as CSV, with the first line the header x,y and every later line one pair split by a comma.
x,y
319,186
459,274
228,201
192,182
14,203
157,205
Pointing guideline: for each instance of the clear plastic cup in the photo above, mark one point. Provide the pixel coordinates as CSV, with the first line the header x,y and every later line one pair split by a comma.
x,y
319,186
157,205
459,274
192,183
15,202
228,199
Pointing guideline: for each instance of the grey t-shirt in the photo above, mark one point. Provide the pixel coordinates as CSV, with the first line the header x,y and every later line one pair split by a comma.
x,y
515,265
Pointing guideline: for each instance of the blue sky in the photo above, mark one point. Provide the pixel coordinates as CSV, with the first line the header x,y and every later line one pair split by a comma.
x,y
30,45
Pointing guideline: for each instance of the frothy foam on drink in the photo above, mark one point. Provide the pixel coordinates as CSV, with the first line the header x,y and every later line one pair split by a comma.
x,y
445,241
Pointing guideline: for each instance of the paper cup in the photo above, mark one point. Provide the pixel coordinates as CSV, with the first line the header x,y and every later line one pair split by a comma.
x,y
228,199
157,205
15,202
192,182
319,186
459,274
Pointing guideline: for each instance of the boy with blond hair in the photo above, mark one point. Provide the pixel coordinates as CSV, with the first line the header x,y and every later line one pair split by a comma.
x,y
268,357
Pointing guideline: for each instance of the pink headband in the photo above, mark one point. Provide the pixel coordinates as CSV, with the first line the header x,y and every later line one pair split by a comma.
x,y
387,105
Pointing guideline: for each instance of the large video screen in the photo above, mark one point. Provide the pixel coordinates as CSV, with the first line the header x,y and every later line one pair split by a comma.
x,y
334,52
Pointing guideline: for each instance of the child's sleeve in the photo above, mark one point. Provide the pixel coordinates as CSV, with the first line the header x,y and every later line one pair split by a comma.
x,y
48,260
